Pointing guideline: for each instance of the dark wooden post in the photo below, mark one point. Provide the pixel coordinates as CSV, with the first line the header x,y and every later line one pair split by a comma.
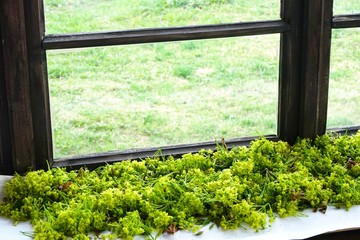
x,y
17,84
24,73
316,64
39,89
6,166
304,68
290,70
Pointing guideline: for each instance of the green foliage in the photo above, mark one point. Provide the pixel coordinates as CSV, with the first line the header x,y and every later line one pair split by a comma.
x,y
55,3
241,187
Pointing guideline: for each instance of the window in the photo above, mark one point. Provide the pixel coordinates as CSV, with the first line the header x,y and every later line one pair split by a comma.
x,y
218,91
344,90
305,37
171,93
344,72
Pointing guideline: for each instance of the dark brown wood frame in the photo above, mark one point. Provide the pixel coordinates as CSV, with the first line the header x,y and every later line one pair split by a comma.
x,y
25,127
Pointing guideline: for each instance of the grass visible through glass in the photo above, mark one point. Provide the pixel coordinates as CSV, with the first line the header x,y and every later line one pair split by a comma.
x,y
344,90
346,7
161,94
68,16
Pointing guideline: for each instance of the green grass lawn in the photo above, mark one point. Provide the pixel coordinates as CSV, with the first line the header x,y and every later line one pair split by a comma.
x,y
344,89
147,95
67,16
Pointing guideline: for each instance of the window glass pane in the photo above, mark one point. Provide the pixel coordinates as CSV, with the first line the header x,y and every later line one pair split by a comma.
x,y
346,7
67,16
344,91
161,94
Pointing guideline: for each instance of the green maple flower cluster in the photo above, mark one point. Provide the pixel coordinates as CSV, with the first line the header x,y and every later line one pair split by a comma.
x,y
241,187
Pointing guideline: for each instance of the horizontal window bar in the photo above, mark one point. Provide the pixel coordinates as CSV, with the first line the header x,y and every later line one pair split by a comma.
x,y
346,21
351,130
163,34
94,160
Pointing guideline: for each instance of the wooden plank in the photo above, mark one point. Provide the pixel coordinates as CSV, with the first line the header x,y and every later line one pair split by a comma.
x,y
315,67
163,34
5,146
346,21
17,84
290,70
39,89
94,160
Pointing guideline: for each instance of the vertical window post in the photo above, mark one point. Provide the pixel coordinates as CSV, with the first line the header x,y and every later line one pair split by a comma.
x,y
315,67
304,68
17,84
6,166
290,70
24,74
38,79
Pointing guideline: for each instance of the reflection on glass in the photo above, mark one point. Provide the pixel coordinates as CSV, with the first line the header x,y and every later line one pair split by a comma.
x,y
68,16
152,95
344,90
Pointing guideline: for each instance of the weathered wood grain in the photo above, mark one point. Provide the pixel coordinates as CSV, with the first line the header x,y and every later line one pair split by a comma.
x,y
163,34
315,67
346,21
290,70
5,146
38,83
17,84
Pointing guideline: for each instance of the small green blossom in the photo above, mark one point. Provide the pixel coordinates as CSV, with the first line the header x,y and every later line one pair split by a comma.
x,y
245,187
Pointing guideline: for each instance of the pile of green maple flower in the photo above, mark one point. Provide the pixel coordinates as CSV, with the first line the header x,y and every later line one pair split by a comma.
x,y
244,187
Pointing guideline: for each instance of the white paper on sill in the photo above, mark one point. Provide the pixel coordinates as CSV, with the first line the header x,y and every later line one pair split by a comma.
x,y
306,225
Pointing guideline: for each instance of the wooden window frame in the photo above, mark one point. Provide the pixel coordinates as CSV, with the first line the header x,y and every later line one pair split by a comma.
x,y
26,138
